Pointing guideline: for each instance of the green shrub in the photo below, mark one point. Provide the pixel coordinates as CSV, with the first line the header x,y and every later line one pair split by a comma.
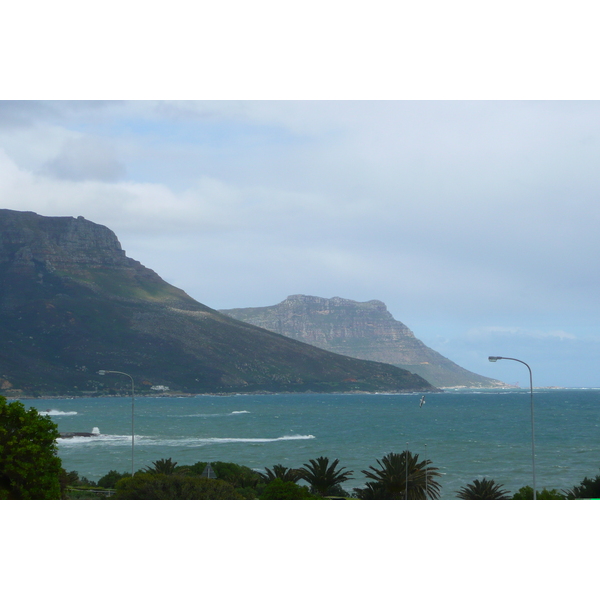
x,y
285,490
109,481
239,476
526,493
195,469
146,486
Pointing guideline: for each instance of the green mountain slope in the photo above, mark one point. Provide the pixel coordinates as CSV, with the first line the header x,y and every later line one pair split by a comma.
x,y
72,303
363,330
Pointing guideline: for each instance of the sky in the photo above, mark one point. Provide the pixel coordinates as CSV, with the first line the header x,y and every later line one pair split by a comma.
x,y
475,221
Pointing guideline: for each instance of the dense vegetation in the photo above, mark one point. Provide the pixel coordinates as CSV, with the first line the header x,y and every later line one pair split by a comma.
x,y
29,465
526,493
165,479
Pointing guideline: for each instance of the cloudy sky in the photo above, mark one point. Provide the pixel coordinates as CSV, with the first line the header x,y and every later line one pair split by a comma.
x,y
476,222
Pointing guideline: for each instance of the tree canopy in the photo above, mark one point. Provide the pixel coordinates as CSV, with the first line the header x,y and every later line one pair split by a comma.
x,y
587,489
401,477
486,489
278,489
147,486
526,493
280,472
322,476
30,468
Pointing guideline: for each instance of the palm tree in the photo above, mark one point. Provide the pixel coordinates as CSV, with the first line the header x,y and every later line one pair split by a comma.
x,y
280,472
322,476
390,480
162,466
483,490
371,491
588,488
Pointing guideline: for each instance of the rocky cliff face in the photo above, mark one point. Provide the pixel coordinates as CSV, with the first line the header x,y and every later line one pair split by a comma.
x,y
72,303
57,243
362,330
53,250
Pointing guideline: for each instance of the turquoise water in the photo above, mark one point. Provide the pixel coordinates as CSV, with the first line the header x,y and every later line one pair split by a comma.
x,y
466,434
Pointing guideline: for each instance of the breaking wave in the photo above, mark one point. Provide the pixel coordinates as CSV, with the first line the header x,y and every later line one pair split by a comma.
x,y
207,416
56,413
142,440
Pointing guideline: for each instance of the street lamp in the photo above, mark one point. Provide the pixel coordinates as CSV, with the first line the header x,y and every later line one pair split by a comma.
x,y
103,372
494,359
426,466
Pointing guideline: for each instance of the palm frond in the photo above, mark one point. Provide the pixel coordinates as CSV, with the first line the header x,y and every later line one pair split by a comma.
x,y
402,477
483,490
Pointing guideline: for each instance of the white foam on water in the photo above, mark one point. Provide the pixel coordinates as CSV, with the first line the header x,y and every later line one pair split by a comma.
x,y
207,416
142,440
194,442
57,413
102,439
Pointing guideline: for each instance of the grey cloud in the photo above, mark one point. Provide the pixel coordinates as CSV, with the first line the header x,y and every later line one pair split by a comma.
x,y
86,159
23,113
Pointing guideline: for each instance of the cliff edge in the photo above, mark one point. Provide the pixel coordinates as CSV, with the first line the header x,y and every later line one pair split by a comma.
x,y
72,303
363,330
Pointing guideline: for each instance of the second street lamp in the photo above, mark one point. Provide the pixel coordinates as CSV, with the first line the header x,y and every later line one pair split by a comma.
x,y
494,359
103,372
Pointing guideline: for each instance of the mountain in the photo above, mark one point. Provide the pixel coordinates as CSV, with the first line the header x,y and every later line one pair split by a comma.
x,y
363,330
72,303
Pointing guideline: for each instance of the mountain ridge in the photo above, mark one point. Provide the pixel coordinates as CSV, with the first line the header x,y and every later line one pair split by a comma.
x,y
72,303
365,330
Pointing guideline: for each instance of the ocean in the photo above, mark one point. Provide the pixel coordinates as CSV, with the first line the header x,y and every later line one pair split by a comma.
x,y
467,434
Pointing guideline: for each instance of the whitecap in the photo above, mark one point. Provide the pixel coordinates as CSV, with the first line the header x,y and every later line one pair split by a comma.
x,y
102,439
142,440
56,413
193,442
211,415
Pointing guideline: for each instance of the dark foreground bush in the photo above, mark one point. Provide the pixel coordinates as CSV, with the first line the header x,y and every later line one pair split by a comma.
x,y
146,486
29,465
526,493
285,490
587,489
239,476
109,481
486,489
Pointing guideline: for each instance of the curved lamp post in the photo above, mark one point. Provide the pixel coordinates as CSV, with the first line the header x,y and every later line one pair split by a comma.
x,y
103,372
494,359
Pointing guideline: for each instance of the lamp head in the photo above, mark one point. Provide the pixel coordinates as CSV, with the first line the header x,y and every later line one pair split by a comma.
x,y
494,358
102,372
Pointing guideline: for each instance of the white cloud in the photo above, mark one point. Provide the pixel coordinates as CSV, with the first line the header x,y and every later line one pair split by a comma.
x,y
518,332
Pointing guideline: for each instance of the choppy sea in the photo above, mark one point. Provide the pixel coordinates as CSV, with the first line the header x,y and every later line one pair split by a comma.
x,y
467,434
